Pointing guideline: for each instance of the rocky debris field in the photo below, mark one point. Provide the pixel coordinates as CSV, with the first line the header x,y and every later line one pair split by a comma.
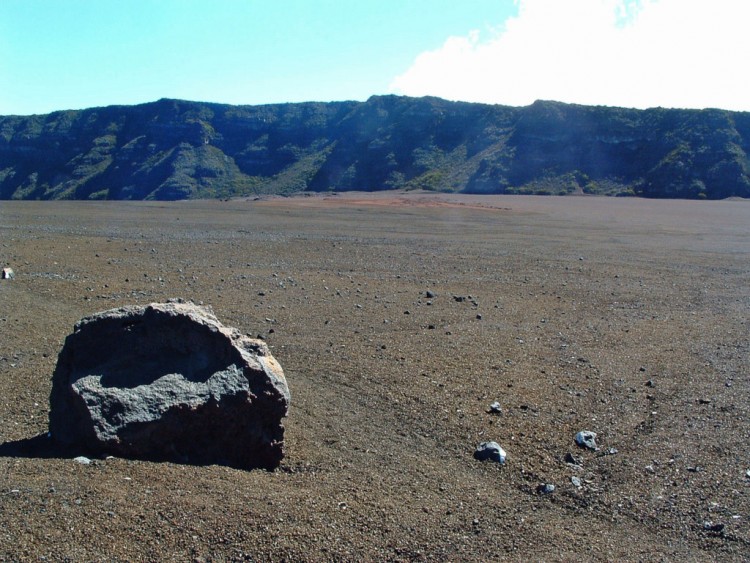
x,y
411,329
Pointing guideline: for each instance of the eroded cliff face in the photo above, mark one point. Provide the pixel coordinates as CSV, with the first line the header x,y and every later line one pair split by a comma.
x,y
174,149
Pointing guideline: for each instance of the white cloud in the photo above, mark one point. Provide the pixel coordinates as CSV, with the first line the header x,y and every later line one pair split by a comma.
x,y
631,53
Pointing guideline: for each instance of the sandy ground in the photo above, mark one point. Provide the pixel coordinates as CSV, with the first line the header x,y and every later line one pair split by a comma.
x,y
626,317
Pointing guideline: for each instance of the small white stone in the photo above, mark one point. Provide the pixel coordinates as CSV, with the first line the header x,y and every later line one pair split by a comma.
x,y
83,460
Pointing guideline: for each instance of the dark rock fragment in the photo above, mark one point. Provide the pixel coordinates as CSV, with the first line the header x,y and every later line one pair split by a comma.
x,y
490,451
716,528
586,439
545,489
572,460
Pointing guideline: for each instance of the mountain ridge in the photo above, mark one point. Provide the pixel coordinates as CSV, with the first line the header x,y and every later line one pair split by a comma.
x,y
175,149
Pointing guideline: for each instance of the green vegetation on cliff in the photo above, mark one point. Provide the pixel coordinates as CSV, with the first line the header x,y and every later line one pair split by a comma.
x,y
174,149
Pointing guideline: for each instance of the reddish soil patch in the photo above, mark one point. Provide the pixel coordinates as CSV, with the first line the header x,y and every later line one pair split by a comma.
x,y
388,199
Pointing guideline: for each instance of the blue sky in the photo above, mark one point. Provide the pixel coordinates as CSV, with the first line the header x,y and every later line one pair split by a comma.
x,y
59,54
70,54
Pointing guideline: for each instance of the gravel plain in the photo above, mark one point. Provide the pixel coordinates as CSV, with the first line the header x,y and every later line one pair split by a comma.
x,y
625,317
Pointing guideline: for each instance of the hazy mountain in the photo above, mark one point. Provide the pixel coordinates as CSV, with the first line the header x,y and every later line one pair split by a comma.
x,y
173,149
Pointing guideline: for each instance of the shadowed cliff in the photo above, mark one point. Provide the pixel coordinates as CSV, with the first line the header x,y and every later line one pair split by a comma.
x,y
172,149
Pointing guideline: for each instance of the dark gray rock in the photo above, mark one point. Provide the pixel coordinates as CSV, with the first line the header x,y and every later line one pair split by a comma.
x,y
545,489
490,451
168,382
716,528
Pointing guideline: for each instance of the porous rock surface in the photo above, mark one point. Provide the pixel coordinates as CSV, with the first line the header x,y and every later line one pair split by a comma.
x,y
168,381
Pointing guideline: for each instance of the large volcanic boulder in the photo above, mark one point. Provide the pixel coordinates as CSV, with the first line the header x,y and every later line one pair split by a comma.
x,y
168,382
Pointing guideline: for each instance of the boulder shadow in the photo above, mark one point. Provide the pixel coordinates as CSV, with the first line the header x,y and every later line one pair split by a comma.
x,y
44,447
41,446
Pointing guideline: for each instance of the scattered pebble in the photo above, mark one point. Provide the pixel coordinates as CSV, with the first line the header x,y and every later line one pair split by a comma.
x,y
586,439
495,408
572,460
430,294
83,460
545,489
713,527
490,451
576,482
7,274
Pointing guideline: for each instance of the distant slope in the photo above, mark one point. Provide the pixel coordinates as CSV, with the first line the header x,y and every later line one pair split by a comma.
x,y
173,149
